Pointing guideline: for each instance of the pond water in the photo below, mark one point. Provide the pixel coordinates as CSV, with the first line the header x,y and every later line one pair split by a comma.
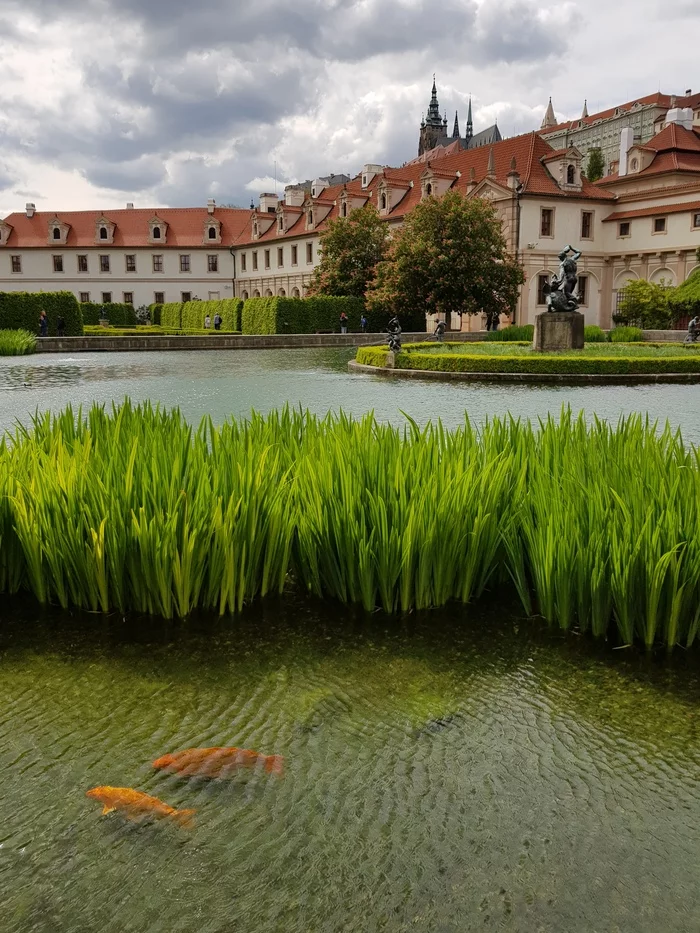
x,y
441,775
453,771
223,383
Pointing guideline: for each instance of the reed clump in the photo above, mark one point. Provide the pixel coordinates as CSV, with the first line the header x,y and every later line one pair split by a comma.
x,y
597,526
17,343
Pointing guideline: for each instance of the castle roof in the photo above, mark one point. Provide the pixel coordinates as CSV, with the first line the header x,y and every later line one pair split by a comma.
x,y
676,150
663,101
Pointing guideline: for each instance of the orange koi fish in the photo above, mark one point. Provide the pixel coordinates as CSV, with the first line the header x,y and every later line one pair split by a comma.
x,y
137,805
217,762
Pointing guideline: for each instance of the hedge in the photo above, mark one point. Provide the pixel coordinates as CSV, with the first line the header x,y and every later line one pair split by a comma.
x,y
171,314
559,364
21,311
194,312
514,333
92,330
307,315
154,313
626,335
686,298
118,314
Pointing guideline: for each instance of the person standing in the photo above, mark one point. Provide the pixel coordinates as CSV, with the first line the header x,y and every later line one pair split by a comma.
x,y
60,326
439,331
343,323
43,324
363,324
207,322
217,321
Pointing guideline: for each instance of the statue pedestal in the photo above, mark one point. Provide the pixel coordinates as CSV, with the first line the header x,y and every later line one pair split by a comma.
x,y
558,330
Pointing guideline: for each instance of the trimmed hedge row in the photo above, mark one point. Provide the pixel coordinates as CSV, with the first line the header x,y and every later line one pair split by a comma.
x,y
564,365
371,356
118,314
171,314
21,311
92,330
307,315
154,313
194,312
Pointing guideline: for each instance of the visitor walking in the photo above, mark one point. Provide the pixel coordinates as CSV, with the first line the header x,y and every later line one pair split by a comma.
x,y
439,331
43,324
217,321
363,324
207,322
343,323
60,326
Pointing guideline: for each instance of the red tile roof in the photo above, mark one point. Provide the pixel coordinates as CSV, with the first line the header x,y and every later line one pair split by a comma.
x,y
659,100
659,211
185,227
677,150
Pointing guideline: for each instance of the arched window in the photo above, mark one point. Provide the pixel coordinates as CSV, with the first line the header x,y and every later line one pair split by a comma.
x,y
383,202
570,175
212,233
268,293
634,165
256,294
56,233
156,233
344,209
244,296
428,189
310,218
282,293
103,233
295,293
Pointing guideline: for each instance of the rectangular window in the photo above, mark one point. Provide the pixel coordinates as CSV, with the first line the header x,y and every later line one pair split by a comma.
x,y
255,260
158,263
659,225
546,222
624,228
294,255
586,225
16,263
213,263
186,296
184,263
82,264
280,256
106,298
159,298
542,280
696,220
243,262
128,298
213,296
131,263
267,258
582,286
309,252
58,263
85,296
104,263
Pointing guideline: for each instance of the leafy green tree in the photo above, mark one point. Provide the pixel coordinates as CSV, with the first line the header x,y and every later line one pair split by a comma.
x,y
646,305
685,300
449,255
350,249
595,167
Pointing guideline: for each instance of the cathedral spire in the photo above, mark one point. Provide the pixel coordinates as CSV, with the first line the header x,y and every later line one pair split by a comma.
x,y
470,127
434,118
549,118
455,130
585,110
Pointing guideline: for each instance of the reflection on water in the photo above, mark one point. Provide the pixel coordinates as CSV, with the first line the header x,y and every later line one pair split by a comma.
x,y
223,383
446,773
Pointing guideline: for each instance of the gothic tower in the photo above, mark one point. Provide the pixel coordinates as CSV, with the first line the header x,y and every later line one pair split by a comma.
x,y
432,127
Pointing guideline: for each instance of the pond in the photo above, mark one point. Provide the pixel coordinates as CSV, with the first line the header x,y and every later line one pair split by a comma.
x,y
440,775
223,383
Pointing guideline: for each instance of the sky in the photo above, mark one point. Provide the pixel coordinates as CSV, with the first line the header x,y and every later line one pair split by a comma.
x,y
171,102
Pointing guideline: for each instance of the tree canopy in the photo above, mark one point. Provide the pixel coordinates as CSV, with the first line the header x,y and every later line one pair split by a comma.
x,y
449,255
350,249
595,167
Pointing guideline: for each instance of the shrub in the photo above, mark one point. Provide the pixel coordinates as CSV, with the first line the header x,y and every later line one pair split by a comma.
x,y
118,314
516,332
194,312
154,313
171,314
21,310
685,300
306,315
17,343
646,305
372,356
594,334
626,335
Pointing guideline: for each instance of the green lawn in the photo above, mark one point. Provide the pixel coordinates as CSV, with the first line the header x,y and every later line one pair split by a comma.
x,y
625,350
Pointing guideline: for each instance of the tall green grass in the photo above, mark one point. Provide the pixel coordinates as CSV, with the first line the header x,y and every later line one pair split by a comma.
x,y
17,343
597,527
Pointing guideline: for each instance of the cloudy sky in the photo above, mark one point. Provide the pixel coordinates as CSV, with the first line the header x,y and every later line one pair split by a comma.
x,y
169,102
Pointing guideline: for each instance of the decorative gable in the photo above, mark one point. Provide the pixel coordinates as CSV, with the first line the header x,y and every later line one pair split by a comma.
x,y
104,231
211,234
389,193
490,190
435,182
262,223
349,202
565,168
157,231
58,232
639,158
5,231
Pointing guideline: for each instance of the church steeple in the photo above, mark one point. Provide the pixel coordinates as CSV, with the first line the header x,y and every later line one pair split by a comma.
x,y
455,130
434,127
585,110
549,117
470,127
434,118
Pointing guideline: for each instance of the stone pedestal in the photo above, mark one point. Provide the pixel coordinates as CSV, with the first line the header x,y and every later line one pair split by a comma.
x,y
556,330
390,360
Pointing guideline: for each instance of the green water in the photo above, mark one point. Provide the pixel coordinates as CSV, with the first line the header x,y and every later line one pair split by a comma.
x,y
447,772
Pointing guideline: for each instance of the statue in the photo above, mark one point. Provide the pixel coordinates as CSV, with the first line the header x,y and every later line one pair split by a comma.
x,y
561,293
394,331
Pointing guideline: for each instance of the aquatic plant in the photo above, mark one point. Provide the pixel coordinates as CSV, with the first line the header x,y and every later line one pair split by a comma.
x,y
17,343
597,526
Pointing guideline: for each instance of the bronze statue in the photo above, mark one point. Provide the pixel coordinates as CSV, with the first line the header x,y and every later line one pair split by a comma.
x,y
561,293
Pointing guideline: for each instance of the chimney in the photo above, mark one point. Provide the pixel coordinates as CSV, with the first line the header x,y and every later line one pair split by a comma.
x,y
268,203
626,143
30,209
368,172
681,115
211,205
129,205
294,195
688,91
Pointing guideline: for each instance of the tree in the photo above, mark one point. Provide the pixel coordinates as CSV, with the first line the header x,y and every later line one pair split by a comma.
x,y
350,249
595,167
449,255
685,300
646,305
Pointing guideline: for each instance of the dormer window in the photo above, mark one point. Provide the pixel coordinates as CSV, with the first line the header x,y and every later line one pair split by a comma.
x,y
5,231
310,218
382,201
634,165
280,223
155,233
570,175
103,233
255,229
57,233
428,190
212,233
344,209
